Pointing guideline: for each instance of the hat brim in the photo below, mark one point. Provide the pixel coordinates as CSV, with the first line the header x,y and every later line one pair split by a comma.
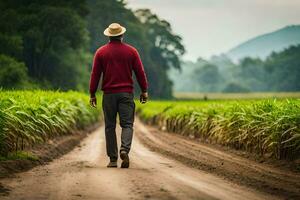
x,y
107,33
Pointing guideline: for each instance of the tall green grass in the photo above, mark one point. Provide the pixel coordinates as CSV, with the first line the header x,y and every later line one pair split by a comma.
x,y
266,127
29,117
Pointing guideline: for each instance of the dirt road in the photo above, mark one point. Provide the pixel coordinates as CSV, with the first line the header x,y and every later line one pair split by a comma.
x,y
82,174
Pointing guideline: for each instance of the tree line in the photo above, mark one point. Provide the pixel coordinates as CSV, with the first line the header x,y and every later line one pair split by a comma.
x,y
50,44
280,71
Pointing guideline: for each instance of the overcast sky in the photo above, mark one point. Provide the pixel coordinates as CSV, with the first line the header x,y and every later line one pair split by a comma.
x,y
210,27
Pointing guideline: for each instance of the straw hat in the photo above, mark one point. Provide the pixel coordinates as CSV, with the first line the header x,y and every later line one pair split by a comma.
x,y
114,29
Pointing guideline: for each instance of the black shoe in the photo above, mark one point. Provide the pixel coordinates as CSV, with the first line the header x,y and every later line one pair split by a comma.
x,y
124,156
112,164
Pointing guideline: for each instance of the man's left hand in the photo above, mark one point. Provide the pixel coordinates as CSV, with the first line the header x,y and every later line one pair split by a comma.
x,y
93,102
144,97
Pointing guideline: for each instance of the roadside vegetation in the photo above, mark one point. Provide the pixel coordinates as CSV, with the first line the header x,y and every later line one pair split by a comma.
x,y
30,117
268,128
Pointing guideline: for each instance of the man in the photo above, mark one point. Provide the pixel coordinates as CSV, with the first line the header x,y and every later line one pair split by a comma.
x,y
115,61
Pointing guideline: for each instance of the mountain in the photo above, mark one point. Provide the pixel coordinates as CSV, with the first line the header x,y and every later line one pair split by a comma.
x,y
263,45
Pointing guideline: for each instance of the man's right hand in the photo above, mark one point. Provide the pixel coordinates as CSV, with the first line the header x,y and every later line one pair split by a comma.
x,y
93,102
144,97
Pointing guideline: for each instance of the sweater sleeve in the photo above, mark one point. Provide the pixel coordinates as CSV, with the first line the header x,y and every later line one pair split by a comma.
x,y
139,72
95,75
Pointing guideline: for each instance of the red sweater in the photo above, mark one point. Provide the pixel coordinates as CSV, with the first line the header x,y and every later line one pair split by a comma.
x,y
116,61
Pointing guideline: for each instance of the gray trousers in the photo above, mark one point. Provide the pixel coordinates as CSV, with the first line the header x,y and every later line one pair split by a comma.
x,y
122,104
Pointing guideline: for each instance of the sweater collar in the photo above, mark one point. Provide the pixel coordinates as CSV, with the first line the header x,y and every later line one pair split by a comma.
x,y
115,41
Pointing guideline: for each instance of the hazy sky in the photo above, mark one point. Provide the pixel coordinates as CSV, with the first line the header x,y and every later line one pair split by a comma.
x,y
210,27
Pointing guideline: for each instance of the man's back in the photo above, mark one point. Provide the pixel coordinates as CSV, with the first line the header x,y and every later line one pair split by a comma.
x,y
115,61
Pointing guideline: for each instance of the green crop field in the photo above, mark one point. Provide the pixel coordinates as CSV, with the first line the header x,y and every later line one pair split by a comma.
x,y
29,117
266,127
250,95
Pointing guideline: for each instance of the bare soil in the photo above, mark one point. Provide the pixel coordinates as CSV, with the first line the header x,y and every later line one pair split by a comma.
x,y
163,166
45,152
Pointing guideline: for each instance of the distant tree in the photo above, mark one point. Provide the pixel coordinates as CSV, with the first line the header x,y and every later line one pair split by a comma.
x,y
11,45
11,42
165,50
235,88
166,45
208,78
284,70
13,74
252,67
251,73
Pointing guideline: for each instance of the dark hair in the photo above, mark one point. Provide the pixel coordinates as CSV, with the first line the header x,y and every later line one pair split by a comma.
x,y
119,37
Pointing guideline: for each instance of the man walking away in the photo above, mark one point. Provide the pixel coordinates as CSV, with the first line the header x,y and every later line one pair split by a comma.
x,y
115,61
